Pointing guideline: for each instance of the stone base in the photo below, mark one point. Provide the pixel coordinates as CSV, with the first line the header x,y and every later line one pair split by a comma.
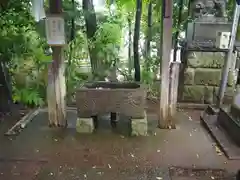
x,y
230,124
139,127
85,125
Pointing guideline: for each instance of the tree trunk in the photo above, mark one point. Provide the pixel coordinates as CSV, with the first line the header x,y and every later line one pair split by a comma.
x,y
5,91
178,29
91,28
159,43
149,35
129,46
72,36
5,83
136,41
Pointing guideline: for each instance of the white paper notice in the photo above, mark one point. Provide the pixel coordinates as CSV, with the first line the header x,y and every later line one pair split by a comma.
x,y
55,31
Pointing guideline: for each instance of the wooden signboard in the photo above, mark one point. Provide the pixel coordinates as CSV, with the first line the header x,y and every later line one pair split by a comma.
x,y
55,31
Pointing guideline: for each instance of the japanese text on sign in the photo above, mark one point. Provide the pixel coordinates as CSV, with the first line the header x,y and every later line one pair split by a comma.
x,y
55,31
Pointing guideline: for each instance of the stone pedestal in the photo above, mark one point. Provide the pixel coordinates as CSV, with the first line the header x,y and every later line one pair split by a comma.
x,y
139,127
235,108
85,125
200,78
229,119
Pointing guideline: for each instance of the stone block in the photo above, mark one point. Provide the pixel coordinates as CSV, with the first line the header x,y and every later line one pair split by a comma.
x,y
189,76
193,94
208,94
207,76
231,78
85,125
206,60
139,127
228,96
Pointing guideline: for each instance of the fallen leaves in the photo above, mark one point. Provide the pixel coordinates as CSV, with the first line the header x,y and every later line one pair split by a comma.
x,y
132,155
218,151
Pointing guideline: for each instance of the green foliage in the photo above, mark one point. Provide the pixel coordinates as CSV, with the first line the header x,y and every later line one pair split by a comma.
x,y
29,97
15,22
23,48
29,74
107,41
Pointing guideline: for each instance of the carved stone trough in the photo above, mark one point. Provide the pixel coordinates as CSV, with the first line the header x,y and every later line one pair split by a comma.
x,y
98,98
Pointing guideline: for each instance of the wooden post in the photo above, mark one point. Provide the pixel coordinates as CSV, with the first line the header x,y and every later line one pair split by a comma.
x,y
174,76
166,54
56,90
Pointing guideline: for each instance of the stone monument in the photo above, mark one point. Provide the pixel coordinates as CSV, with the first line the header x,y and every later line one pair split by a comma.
x,y
208,7
203,57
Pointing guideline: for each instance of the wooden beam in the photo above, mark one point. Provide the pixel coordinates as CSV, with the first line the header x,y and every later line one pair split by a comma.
x,y
166,55
56,90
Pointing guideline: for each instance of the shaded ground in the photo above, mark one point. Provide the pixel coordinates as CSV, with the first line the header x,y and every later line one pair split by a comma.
x,y
40,153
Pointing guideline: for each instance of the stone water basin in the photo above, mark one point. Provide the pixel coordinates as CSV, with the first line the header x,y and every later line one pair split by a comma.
x,y
106,97
126,98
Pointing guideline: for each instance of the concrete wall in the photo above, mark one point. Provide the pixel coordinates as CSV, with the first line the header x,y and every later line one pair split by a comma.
x,y
200,78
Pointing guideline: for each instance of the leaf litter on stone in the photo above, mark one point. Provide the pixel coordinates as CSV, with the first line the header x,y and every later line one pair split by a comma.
x,y
219,152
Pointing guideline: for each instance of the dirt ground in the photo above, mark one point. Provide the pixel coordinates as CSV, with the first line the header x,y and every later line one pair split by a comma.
x,y
40,153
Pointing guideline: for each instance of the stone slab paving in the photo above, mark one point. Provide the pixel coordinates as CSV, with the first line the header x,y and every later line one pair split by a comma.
x,y
112,154
19,170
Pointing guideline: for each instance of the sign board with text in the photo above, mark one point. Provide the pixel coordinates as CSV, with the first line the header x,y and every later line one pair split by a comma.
x,y
55,32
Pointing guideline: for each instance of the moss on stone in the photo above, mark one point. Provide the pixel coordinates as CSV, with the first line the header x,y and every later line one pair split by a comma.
x,y
189,76
231,80
84,125
206,60
228,97
139,127
206,76
208,94
193,94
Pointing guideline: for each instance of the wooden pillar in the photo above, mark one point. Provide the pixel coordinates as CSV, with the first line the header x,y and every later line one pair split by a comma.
x,y
56,90
166,55
173,96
